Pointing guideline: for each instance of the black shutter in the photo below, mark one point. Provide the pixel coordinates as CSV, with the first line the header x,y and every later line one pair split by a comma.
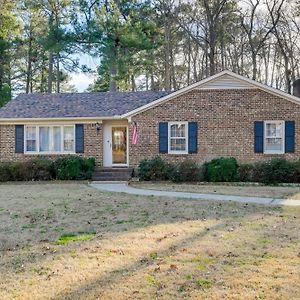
x,y
193,134
289,136
163,137
19,139
258,136
79,138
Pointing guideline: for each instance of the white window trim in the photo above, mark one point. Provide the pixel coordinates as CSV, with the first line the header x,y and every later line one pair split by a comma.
x,y
186,138
38,152
283,137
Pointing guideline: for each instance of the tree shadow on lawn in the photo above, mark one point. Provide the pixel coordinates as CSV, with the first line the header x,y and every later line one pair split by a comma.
x,y
99,285
80,292
144,213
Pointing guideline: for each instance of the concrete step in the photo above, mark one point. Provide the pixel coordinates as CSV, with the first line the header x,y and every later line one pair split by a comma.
x,y
110,179
112,174
121,170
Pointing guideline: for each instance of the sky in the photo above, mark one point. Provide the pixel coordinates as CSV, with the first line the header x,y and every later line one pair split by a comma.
x,y
82,80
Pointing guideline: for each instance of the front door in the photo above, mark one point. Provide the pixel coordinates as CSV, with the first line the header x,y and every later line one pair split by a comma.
x,y
115,146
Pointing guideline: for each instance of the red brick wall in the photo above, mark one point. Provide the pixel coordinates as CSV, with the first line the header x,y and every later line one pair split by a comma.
x,y
225,124
92,144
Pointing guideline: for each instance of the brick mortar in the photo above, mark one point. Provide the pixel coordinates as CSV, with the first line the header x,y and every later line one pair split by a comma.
x,y
225,127
92,145
225,123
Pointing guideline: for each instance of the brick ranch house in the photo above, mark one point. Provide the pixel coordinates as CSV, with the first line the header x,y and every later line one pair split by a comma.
x,y
223,115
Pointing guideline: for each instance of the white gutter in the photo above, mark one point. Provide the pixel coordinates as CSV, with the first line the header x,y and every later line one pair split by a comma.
x,y
65,120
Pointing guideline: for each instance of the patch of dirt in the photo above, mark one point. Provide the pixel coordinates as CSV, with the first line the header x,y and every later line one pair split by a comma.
x,y
143,247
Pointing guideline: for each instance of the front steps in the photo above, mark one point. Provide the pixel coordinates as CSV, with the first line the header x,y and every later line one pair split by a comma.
x,y
112,174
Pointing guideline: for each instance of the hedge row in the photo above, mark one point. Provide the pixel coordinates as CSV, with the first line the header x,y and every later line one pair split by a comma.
x,y
221,170
64,168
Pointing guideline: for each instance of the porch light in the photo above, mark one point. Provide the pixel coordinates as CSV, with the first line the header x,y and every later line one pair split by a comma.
x,y
98,126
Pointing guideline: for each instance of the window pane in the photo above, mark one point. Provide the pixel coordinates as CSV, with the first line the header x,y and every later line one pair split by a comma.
x,y
274,130
177,130
57,138
44,138
178,145
31,145
69,138
31,138
274,144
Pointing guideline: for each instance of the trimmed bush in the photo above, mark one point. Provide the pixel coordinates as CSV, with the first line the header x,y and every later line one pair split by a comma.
x,y
5,171
245,172
296,169
222,170
275,171
187,171
67,168
64,168
154,169
74,167
87,167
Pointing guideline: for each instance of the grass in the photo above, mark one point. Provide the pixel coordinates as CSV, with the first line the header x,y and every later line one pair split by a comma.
x,y
204,283
67,238
122,246
237,189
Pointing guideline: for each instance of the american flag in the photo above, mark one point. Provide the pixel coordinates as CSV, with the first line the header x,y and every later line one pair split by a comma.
x,y
134,134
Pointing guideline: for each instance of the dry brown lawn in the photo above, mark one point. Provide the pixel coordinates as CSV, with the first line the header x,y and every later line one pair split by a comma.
x,y
143,247
250,190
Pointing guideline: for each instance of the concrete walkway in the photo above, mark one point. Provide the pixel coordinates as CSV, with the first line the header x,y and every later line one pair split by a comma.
x,y
122,187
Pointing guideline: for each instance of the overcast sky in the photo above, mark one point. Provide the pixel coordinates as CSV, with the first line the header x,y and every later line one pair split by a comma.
x,y
82,80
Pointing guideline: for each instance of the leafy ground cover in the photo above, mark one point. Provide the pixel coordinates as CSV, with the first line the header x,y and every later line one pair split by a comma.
x,y
118,246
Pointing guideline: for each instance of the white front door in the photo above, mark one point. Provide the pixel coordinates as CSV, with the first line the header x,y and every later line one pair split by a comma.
x,y
115,145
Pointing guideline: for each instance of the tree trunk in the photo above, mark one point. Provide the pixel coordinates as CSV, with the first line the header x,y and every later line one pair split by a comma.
x,y
152,81
57,74
112,80
133,87
29,65
254,66
50,73
167,56
147,83
189,61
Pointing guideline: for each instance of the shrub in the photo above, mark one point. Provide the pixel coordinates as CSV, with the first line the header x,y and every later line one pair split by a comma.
x,y
245,172
87,167
67,168
74,167
5,171
296,169
277,170
187,171
154,169
222,170
64,168
35,169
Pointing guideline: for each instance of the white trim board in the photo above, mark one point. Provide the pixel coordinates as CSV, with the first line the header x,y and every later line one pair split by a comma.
x,y
204,82
226,82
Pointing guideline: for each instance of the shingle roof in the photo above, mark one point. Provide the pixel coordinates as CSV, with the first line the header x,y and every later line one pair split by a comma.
x,y
104,104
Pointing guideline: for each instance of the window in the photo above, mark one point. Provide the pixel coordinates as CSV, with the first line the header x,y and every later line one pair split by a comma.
x,y
31,138
44,137
178,137
50,139
274,137
69,138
